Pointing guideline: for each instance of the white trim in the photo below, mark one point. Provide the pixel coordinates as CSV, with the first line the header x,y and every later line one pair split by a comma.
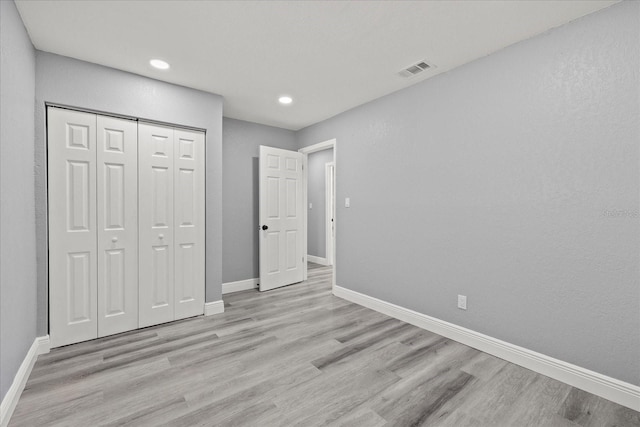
x,y
240,285
330,212
213,307
318,147
44,344
332,143
305,213
317,260
609,388
41,345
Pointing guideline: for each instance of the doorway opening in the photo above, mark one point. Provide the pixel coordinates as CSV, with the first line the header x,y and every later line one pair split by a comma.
x,y
285,185
319,200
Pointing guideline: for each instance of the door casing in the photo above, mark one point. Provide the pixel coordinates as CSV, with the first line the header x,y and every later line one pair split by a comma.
x,y
325,145
330,211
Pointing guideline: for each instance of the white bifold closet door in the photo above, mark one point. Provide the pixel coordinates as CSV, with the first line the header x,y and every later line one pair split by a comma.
x,y
117,200
171,221
92,226
189,218
126,225
73,266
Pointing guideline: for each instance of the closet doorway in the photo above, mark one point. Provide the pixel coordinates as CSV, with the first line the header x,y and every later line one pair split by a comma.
x,y
126,224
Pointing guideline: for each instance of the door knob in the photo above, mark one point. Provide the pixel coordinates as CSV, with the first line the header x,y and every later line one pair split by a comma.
x,y
114,239
160,236
265,227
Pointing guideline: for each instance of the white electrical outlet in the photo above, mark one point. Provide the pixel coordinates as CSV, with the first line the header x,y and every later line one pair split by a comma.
x,y
462,302
347,202
310,205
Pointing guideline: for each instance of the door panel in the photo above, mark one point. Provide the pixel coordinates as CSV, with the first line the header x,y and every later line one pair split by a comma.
x,y
281,255
73,263
291,199
161,191
161,283
186,208
273,197
114,195
189,223
79,280
115,284
272,256
117,218
155,186
292,249
78,182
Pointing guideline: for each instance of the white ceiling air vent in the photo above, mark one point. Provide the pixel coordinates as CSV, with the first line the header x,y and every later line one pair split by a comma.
x,y
415,69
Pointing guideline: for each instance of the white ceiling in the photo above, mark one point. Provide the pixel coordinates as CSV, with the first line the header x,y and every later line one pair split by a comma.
x,y
330,56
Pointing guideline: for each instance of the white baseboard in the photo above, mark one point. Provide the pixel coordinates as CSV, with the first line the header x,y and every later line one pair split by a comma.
x,y
41,345
213,307
240,285
317,260
44,344
601,385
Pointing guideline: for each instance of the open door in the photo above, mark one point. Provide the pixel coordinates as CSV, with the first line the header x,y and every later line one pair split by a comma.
x,y
281,229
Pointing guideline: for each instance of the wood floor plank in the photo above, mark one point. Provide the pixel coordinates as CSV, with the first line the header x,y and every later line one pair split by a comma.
x,y
326,398
361,417
255,388
486,402
296,356
421,403
484,366
538,403
587,410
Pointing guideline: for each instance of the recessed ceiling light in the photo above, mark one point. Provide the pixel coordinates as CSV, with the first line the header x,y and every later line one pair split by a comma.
x,y
285,100
159,64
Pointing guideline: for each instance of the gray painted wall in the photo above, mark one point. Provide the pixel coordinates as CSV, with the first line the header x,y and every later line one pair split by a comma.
x,y
81,84
240,152
513,180
17,211
316,183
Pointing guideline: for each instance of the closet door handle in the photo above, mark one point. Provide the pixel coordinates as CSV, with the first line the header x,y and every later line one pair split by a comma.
x,y
114,239
160,236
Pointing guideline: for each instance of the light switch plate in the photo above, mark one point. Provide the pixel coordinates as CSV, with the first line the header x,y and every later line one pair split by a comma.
x,y
462,302
347,202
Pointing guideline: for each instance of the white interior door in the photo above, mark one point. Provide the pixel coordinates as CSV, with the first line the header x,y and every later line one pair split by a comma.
x,y
117,219
189,223
73,275
156,224
330,211
281,231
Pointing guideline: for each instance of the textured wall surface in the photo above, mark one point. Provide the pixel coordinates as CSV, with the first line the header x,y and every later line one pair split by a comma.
x,y
316,183
81,84
513,180
17,214
240,152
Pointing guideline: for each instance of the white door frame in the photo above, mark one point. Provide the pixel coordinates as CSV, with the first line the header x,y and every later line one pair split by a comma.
x,y
332,143
330,210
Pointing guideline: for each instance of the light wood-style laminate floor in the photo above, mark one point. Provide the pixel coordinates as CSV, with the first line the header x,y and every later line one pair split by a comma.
x,y
296,356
